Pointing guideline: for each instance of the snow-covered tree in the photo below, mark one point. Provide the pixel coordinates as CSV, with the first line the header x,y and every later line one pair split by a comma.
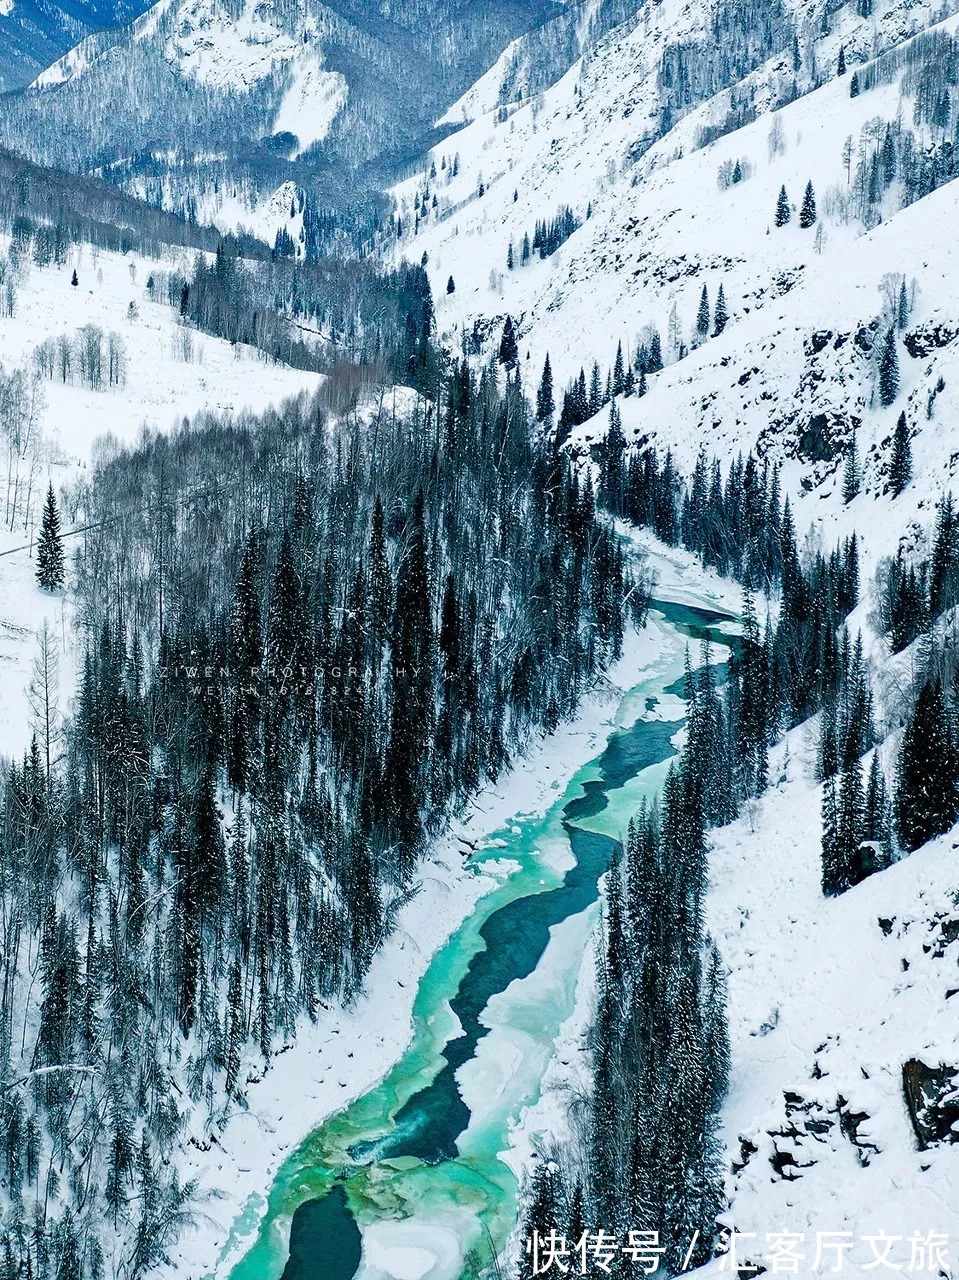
x,y
783,211
508,348
807,214
852,472
50,567
889,370
900,464
721,317
702,315
927,800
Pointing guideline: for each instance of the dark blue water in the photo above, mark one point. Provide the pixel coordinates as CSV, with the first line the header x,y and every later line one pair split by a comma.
x,y
315,1224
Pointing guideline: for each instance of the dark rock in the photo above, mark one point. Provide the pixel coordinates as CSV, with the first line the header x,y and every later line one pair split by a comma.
x,y
747,1150
864,338
817,442
932,1098
849,1125
926,338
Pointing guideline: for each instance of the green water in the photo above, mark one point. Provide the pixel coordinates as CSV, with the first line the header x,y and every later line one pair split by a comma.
x,y
411,1171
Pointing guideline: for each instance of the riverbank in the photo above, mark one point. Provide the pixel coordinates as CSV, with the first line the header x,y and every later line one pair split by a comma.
x,y
349,1051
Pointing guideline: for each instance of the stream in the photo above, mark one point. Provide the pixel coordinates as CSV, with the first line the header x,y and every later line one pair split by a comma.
x,y
408,1181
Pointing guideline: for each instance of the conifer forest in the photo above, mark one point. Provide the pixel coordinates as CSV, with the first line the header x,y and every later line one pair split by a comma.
x,y
479,639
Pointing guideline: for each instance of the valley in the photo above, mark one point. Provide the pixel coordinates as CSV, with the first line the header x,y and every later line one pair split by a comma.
x,y
484,761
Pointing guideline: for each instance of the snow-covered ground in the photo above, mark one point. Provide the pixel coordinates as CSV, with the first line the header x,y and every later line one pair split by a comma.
x,y
828,999
236,209
172,372
311,103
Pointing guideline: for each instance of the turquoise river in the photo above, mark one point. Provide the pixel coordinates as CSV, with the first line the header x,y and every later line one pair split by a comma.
x,y
409,1182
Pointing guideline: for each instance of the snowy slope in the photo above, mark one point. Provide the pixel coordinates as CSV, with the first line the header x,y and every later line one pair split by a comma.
x,y
171,373
660,229
234,207
828,1000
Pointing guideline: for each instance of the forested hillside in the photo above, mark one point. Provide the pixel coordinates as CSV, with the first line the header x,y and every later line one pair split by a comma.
x,y
34,33
719,243
382,893
302,647
209,110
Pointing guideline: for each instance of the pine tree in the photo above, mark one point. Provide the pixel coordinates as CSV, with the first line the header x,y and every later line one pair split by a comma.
x,y
852,474
841,61
545,404
539,1218
716,1028
900,465
828,756
831,866
595,390
50,569
877,825
119,1166
508,348
927,797
889,370
807,214
611,464
73,279
944,571
851,828
702,316
783,213
721,318
854,85
451,285
619,376
902,309
888,158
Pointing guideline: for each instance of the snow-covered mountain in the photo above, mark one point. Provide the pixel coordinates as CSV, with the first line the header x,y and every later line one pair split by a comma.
x,y
34,33
657,218
201,103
